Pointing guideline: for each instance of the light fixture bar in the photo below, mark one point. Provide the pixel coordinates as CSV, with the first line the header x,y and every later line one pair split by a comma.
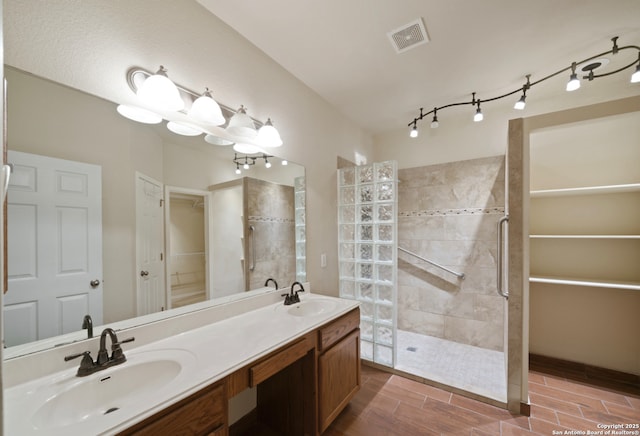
x,y
635,78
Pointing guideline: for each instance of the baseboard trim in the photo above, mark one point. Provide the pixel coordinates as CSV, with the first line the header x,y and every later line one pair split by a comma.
x,y
584,372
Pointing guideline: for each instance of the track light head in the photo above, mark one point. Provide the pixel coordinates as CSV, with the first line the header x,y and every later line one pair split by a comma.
x,y
520,104
478,116
434,122
414,130
574,82
635,77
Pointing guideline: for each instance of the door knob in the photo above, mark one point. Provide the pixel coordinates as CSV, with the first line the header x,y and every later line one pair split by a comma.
x,y
144,273
94,283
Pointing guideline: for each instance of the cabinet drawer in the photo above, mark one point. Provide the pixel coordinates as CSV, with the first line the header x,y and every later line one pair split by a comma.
x,y
333,332
276,362
203,413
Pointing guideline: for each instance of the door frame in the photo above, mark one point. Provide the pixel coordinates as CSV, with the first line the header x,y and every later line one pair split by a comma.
x,y
168,190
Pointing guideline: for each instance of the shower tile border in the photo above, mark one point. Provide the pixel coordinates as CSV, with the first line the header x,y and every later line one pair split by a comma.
x,y
452,212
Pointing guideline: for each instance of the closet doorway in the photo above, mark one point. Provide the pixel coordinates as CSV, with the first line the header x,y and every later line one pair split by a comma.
x,y
188,275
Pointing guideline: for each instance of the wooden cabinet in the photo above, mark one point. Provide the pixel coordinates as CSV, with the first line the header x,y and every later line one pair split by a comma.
x,y
301,389
203,413
338,367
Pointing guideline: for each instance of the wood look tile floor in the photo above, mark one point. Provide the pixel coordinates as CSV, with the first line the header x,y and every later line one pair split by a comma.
x,y
392,405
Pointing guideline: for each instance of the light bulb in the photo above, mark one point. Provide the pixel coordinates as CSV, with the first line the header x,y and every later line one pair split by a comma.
x,y
635,77
206,110
573,83
158,91
478,116
520,104
267,164
285,162
434,122
245,166
238,169
268,135
414,132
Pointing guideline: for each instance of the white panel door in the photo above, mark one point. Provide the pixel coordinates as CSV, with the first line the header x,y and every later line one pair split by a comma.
x,y
151,291
54,218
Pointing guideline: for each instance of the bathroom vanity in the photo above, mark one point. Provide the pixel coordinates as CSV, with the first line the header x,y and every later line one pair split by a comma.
x,y
303,361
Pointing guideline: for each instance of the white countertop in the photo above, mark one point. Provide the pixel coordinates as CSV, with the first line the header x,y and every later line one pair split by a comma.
x,y
208,354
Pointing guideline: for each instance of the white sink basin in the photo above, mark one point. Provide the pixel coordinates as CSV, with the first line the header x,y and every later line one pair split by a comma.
x,y
311,307
75,400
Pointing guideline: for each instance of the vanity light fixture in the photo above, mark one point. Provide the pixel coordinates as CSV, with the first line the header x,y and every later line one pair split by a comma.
x,y
196,113
159,91
573,84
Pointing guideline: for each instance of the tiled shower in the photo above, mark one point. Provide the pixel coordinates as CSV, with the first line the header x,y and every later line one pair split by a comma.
x,y
452,330
440,327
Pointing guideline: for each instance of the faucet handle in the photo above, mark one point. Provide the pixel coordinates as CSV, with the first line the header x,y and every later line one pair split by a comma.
x,y
124,341
87,365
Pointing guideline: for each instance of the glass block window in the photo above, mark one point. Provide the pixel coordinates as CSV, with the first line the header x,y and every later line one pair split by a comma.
x,y
367,253
299,192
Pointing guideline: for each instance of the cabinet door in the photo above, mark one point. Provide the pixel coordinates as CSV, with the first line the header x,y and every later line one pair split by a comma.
x,y
338,378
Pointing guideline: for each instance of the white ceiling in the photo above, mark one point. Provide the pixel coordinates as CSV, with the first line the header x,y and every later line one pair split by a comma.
x,y
340,49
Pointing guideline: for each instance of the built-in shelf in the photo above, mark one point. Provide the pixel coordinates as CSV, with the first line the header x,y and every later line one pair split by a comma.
x,y
634,286
609,189
584,236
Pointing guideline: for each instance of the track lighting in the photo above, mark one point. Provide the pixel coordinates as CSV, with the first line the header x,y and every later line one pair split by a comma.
x,y
247,161
635,77
478,115
589,64
434,121
574,82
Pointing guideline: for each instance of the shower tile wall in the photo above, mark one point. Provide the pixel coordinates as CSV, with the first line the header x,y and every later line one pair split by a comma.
x,y
270,209
448,214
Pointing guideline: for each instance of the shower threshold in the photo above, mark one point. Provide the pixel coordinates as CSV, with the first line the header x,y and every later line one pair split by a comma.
x,y
467,368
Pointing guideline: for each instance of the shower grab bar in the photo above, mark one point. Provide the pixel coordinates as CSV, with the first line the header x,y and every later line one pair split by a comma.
x,y
499,272
457,274
252,266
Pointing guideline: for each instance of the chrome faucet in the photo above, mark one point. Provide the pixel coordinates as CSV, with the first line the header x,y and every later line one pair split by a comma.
x,y
271,280
293,298
87,323
88,366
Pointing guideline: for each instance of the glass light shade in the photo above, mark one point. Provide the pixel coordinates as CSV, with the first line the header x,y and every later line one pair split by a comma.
x,y
206,110
520,104
241,124
267,164
246,148
573,83
138,114
635,77
183,129
435,123
158,91
216,140
413,133
268,135
478,116
238,170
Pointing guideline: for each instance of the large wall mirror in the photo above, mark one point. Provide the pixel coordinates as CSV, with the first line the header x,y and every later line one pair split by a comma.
x,y
177,228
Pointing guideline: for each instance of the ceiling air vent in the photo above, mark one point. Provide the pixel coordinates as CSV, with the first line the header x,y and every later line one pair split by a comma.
x,y
409,36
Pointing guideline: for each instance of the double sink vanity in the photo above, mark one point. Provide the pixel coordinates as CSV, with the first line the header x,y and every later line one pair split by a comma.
x,y
299,365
